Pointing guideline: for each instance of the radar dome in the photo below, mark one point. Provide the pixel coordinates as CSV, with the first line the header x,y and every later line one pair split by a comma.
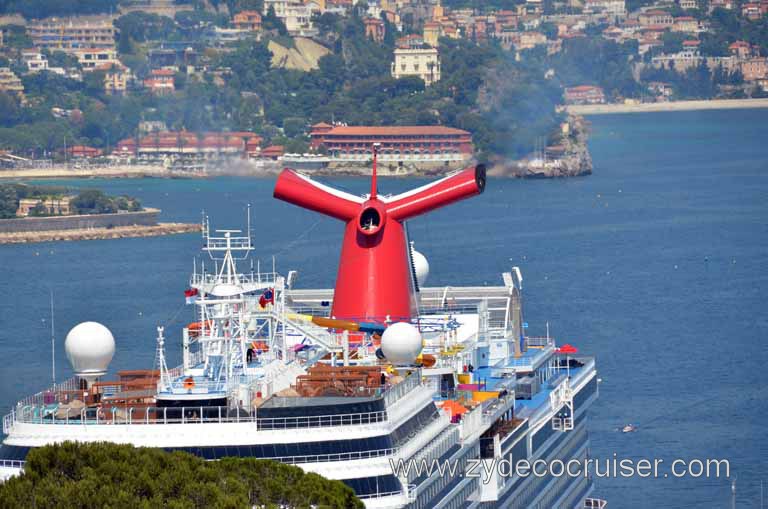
x,y
401,343
421,266
89,347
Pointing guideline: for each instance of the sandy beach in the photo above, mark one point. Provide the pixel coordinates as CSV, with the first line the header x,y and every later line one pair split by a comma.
x,y
64,172
718,104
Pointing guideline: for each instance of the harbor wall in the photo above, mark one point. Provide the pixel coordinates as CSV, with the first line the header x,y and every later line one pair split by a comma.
x,y
713,104
147,217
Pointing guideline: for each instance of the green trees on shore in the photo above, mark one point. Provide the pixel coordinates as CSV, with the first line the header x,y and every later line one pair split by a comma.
x,y
109,475
87,201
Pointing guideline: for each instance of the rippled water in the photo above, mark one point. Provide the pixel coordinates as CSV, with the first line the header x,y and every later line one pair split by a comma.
x,y
656,264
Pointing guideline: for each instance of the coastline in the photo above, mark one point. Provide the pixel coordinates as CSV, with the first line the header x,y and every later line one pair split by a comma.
x,y
64,172
718,104
117,232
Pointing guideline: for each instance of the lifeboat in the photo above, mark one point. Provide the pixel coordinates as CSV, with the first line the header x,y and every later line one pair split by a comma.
x,y
195,328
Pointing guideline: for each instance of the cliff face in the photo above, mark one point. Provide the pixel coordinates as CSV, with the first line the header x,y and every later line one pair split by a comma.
x,y
571,160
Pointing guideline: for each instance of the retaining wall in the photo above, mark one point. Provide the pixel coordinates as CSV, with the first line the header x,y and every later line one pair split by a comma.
x,y
147,217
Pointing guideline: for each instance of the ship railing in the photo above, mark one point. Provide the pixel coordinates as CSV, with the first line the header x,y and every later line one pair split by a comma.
x,y
181,386
342,456
8,421
321,420
448,309
257,278
495,408
12,464
396,392
50,395
380,494
538,342
471,423
184,415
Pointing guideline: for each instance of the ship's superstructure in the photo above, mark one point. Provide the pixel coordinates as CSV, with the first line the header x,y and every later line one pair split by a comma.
x,y
357,389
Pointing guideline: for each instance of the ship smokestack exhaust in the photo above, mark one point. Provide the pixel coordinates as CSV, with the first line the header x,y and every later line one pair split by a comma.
x,y
374,281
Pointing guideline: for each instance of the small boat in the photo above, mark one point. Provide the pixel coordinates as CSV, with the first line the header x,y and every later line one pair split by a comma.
x,y
629,428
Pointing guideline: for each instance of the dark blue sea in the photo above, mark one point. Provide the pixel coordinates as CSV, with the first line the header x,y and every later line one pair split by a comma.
x,y
657,264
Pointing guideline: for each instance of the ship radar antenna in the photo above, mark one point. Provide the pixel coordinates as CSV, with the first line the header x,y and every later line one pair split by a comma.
x,y
53,345
248,220
162,367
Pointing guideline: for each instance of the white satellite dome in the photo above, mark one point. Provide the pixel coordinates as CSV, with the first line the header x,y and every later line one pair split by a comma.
x,y
421,266
89,347
401,343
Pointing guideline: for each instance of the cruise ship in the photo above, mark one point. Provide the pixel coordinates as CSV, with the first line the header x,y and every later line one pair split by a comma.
x,y
355,383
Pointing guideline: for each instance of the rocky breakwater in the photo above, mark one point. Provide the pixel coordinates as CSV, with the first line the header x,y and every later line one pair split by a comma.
x,y
116,232
142,223
568,157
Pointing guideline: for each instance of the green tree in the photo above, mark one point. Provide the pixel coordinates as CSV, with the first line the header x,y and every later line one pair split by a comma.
x,y
93,201
9,201
142,26
15,36
10,110
36,9
111,475
270,21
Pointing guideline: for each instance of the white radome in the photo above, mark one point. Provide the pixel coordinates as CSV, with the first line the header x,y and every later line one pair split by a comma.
x,y
421,266
401,343
90,348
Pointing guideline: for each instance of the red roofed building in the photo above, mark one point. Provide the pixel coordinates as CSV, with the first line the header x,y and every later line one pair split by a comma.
x,y
247,20
83,151
410,41
751,11
187,143
398,143
584,94
656,17
374,28
741,49
160,81
273,152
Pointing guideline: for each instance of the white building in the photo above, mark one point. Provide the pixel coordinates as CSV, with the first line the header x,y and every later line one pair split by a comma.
x,y
612,7
92,58
34,60
421,62
296,15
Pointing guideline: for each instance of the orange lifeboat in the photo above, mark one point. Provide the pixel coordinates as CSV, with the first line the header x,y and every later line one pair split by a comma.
x,y
260,346
195,328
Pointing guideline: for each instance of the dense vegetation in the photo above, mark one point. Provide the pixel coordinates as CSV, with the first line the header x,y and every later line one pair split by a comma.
x,y
109,475
507,106
87,201
507,103
45,8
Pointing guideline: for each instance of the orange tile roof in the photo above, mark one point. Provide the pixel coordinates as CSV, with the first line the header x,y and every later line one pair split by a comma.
x,y
395,130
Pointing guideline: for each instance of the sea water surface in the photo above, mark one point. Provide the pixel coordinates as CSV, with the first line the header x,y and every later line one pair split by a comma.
x,y
657,264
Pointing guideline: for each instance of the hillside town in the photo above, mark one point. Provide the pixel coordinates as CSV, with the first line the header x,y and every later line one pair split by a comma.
x,y
179,83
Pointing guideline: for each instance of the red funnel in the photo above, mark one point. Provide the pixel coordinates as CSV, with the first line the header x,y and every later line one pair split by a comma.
x,y
374,279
